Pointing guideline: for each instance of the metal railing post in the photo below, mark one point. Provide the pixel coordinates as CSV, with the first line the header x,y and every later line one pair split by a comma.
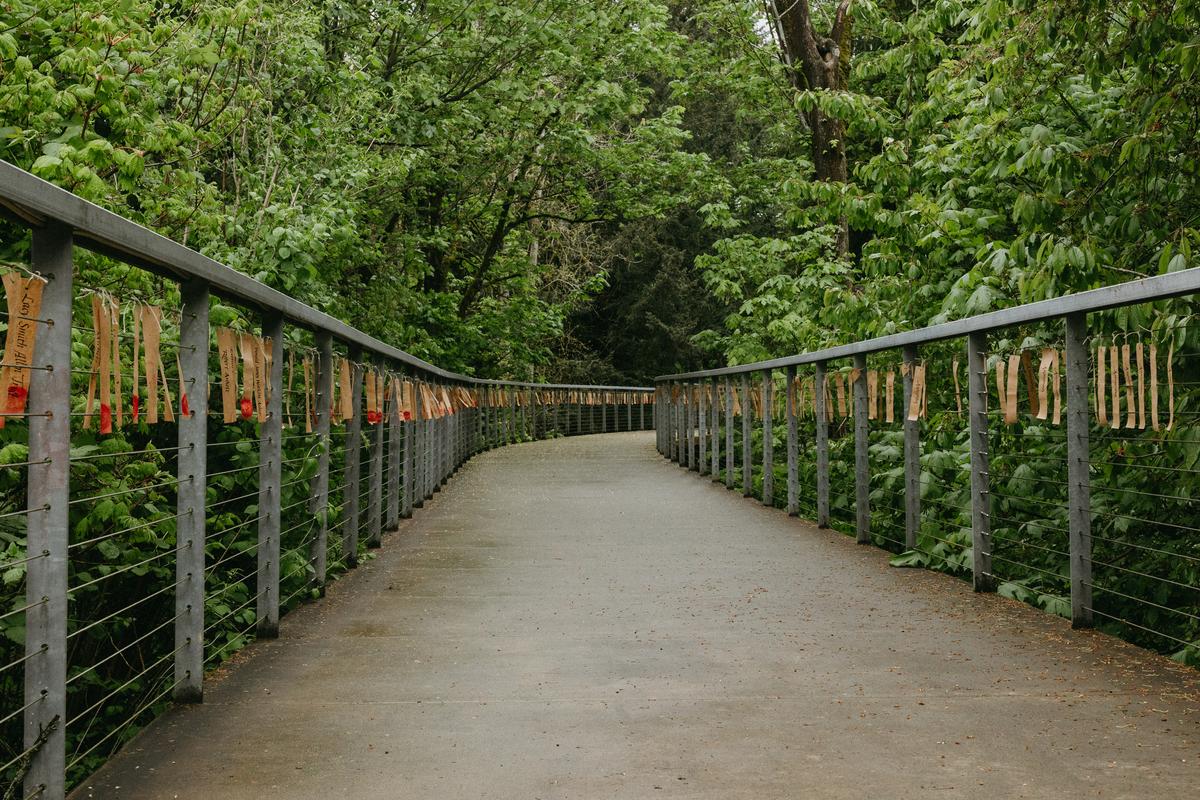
x,y
350,506
270,479
768,433
728,433
190,508
912,456
822,444
418,456
406,489
395,450
48,532
793,455
1079,512
862,464
716,429
981,521
320,495
375,480
679,425
702,427
747,461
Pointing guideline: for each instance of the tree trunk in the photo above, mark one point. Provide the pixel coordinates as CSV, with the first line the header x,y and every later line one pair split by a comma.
x,y
818,63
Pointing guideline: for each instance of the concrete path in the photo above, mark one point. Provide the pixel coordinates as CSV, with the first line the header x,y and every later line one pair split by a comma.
x,y
581,619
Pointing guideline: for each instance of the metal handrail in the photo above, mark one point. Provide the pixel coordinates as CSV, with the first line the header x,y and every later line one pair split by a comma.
x,y
34,202
1157,287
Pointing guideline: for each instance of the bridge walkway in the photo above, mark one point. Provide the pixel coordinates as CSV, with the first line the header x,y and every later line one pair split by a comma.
x,y
579,618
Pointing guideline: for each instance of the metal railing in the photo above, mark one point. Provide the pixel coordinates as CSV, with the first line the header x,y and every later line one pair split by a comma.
x,y
1080,499
215,527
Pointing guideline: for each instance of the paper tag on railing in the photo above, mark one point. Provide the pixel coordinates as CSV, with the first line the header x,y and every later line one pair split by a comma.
x,y
1114,381
1130,409
1101,392
889,413
1140,356
247,348
89,408
151,334
135,399
306,364
1154,423
345,394
24,300
114,322
1001,388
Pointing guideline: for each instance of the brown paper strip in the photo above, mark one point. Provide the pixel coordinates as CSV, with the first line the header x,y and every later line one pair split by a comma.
x,y
957,388
306,365
1171,388
1114,382
104,345
1139,355
1001,391
345,393
1101,392
1130,410
1030,385
151,334
135,400
1154,386
247,347
1010,408
890,397
89,408
115,331
24,300
1043,378
872,394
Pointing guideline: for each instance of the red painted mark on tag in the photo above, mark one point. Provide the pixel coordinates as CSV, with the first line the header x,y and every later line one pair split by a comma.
x,y
373,417
247,408
183,406
105,418
137,402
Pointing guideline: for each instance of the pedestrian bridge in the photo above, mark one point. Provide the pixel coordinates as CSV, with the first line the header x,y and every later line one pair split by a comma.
x,y
573,615
580,618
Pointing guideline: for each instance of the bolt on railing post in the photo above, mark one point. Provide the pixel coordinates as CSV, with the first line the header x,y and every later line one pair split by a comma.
x,y
375,480
270,472
1079,512
728,433
821,411
716,429
862,464
702,427
793,455
747,461
350,503
768,433
912,455
981,525
48,530
190,508
320,494
395,453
